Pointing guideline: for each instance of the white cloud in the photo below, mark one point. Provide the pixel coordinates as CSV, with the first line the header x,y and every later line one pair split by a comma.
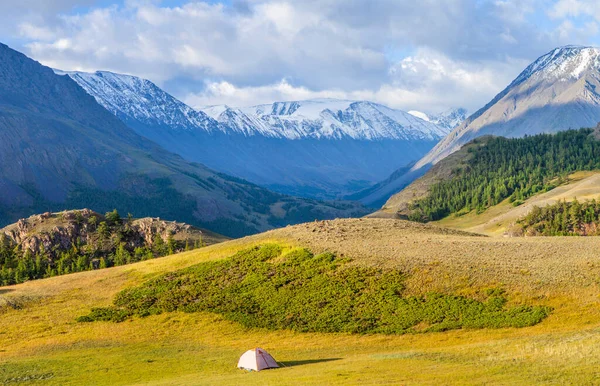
x,y
38,33
427,55
427,81
568,31
574,8
223,92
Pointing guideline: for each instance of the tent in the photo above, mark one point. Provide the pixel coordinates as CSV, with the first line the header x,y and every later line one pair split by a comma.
x,y
257,359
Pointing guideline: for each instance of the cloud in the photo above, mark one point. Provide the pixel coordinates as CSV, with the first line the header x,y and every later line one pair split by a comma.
x,y
574,8
567,31
427,81
425,55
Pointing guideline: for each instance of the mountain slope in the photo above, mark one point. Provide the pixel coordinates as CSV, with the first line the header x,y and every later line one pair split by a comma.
x,y
398,205
556,92
199,347
320,148
499,219
60,149
138,101
489,170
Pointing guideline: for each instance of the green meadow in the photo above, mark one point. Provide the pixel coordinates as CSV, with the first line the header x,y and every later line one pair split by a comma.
x,y
42,342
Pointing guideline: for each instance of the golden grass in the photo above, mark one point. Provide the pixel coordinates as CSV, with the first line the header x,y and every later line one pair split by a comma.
x,y
42,343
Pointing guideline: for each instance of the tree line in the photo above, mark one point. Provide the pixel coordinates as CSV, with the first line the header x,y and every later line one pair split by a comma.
x,y
515,168
561,219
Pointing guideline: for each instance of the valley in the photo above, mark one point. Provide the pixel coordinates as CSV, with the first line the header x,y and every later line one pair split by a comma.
x,y
41,339
317,148
61,150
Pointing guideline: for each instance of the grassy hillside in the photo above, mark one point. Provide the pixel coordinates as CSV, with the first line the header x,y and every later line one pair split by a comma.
x,y
501,168
40,340
498,219
270,288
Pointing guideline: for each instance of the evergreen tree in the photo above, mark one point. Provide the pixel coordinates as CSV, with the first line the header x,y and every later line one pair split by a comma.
x,y
113,218
171,245
159,247
513,169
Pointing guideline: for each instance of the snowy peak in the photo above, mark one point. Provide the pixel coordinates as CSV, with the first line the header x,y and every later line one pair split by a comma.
x,y
327,118
214,111
562,63
558,91
310,109
420,114
144,105
237,121
134,99
448,120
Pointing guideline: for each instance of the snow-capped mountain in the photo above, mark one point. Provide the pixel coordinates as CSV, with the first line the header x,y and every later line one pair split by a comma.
x,y
449,119
559,91
318,148
326,119
139,101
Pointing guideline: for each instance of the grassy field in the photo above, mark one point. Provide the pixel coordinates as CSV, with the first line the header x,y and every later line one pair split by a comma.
x,y
40,341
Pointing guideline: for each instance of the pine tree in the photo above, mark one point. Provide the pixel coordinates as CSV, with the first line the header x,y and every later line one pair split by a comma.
x,y
171,245
159,248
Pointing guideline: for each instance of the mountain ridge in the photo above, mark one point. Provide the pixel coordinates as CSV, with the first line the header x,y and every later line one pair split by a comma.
x,y
556,92
321,149
560,83
60,149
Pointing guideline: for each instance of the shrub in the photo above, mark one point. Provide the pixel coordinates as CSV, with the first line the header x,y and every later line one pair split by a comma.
x,y
260,287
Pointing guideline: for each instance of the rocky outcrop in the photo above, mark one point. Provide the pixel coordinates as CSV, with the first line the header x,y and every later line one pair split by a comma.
x,y
55,232
148,227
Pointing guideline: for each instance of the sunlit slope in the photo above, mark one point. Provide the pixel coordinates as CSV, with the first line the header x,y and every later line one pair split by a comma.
x,y
41,342
497,220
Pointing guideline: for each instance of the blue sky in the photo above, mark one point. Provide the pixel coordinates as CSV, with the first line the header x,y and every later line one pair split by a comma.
x,y
429,55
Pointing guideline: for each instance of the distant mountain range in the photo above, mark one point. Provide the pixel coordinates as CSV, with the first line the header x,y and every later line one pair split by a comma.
x,y
322,148
327,119
60,149
558,91
448,119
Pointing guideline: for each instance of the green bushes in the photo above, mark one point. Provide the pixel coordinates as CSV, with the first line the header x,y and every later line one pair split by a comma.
x,y
260,287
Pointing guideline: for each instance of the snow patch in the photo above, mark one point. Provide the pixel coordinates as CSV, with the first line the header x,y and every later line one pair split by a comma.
x,y
419,114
